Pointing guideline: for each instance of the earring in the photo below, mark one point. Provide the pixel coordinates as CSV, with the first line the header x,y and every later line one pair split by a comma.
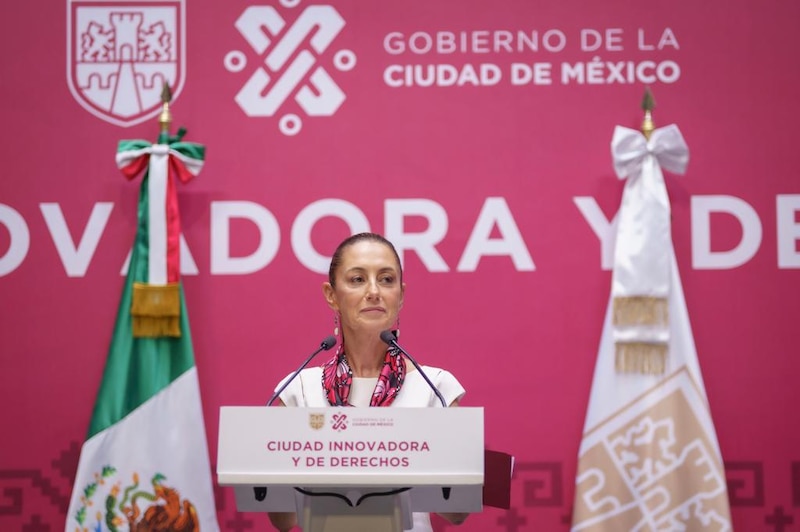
x,y
337,331
396,328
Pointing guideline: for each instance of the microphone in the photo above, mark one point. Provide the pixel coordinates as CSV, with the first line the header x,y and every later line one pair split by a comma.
x,y
326,344
389,338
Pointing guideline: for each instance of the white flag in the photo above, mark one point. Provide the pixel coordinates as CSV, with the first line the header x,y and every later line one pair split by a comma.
x,y
649,458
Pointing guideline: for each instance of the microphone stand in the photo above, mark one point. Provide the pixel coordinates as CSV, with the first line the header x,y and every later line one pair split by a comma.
x,y
326,344
389,338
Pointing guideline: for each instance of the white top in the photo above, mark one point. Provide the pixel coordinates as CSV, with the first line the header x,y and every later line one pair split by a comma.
x,y
361,390
306,391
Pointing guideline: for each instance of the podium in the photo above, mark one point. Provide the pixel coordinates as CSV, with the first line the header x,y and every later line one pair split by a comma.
x,y
352,468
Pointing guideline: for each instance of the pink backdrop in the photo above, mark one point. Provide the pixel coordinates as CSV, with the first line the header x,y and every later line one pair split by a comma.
x,y
521,328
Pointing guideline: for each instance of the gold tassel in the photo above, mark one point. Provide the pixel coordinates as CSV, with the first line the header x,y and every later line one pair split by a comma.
x,y
156,310
640,310
641,357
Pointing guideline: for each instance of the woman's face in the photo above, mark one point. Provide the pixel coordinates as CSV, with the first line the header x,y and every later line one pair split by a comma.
x,y
368,293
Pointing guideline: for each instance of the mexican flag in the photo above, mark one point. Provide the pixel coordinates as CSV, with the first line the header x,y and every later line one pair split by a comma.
x,y
144,464
649,458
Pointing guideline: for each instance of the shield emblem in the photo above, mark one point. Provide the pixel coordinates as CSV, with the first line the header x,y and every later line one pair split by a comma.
x,y
120,54
316,421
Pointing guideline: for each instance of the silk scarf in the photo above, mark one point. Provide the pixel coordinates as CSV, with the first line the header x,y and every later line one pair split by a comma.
x,y
337,378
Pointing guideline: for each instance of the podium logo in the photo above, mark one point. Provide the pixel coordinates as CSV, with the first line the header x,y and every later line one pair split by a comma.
x,y
316,421
120,55
289,68
339,422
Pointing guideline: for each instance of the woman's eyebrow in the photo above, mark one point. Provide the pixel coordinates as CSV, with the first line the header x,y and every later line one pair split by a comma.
x,y
364,268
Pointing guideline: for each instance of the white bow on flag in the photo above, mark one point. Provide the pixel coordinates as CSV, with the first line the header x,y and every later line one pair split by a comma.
x,y
641,274
156,304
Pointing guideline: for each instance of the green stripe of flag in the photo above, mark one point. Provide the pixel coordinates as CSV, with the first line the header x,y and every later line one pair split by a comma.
x,y
138,368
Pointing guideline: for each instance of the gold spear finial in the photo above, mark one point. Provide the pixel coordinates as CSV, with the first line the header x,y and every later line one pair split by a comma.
x,y
165,118
648,104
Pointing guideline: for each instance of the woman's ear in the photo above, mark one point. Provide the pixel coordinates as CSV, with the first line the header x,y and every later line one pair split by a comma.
x,y
330,297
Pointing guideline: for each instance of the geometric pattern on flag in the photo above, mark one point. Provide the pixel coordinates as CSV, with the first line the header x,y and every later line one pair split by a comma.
x,y
652,466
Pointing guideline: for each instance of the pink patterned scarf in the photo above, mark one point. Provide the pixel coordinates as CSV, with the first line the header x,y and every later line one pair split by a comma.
x,y
337,377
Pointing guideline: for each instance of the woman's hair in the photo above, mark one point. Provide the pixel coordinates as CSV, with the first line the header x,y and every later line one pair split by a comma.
x,y
336,260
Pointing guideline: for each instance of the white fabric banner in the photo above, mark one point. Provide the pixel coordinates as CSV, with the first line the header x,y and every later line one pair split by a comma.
x,y
649,458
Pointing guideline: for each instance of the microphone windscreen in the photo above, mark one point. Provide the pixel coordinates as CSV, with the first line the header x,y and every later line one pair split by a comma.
x,y
388,337
328,342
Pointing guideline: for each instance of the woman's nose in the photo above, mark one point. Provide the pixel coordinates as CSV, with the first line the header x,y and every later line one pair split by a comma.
x,y
372,289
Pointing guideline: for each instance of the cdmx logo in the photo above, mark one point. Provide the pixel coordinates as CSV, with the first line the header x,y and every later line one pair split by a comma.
x,y
339,422
289,65
120,54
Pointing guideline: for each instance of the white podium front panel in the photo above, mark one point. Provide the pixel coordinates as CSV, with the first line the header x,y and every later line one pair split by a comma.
x,y
337,447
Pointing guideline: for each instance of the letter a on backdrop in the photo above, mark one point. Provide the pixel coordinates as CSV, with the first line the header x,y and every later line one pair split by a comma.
x,y
649,458
144,464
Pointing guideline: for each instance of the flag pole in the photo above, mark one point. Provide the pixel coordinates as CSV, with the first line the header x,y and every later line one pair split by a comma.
x,y
165,117
648,104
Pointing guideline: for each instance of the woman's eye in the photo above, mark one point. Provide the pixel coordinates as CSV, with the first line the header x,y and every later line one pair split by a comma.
x,y
357,279
387,280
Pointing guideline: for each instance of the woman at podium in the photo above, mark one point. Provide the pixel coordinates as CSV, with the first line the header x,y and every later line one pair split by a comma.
x,y
365,290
